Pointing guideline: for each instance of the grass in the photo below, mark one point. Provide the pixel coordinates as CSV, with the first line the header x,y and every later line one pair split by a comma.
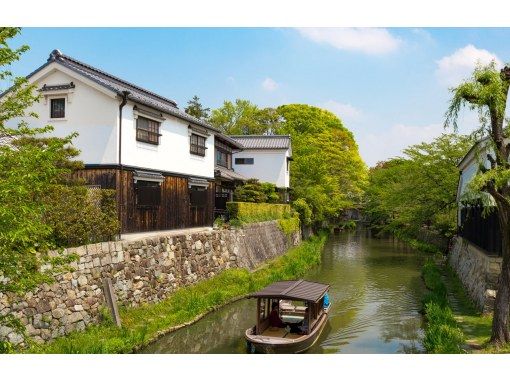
x,y
442,333
476,327
143,324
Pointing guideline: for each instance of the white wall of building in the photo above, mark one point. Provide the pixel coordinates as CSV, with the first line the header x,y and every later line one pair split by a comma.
x,y
173,152
268,165
91,113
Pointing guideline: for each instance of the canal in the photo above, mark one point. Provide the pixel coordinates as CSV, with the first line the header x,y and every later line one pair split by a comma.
x,y
375,292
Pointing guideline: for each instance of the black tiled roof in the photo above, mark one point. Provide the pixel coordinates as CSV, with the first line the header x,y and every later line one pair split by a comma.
x,y
263,141
136,94
228,174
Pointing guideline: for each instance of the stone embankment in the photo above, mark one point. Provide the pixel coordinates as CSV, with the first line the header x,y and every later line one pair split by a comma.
x,y
145,270
478,272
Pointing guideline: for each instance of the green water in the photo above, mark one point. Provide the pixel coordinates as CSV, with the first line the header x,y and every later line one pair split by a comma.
x,y
375,292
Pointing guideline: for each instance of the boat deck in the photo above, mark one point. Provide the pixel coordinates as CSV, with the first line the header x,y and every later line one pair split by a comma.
x,y
280,333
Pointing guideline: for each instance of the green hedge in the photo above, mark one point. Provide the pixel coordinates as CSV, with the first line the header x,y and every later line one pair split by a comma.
x,y
247,212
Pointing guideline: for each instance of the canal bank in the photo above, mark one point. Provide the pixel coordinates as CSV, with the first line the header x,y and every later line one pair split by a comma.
x,y
376,292
145,323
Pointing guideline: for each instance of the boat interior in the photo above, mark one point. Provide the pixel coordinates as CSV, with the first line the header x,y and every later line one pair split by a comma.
x,y
291,312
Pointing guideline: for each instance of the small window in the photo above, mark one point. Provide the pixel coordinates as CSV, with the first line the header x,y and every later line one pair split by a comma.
x,y
198,197
58,108
197,145
223,159
148,194
244,161
147,130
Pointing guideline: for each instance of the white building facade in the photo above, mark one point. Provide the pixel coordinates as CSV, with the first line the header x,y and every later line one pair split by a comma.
x,y
160,160
266,158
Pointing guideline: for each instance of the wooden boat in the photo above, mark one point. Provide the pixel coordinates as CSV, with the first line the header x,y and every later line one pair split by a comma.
x,y
302,306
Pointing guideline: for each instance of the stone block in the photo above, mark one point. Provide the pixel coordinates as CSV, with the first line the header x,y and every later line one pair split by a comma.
x,y
43,305
106,260
82,280
75,317
92,249
58,313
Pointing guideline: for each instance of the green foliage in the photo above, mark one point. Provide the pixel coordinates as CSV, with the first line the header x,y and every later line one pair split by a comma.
x,y
348,225
244,118
418,191
327,171
78,215
257,212
196,109
289,225
219,222
304,211
235,223
442,333
257,192
142,324
29,169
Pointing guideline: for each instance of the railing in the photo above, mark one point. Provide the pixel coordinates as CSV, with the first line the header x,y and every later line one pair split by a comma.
x,y
483,231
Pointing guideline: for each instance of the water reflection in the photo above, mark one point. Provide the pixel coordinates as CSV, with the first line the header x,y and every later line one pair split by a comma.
x,y
375,290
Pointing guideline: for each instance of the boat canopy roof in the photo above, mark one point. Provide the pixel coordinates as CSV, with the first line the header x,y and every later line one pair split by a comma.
x,y
299,290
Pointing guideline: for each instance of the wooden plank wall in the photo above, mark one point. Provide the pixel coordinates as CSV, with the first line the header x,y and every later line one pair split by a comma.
x,y
174,211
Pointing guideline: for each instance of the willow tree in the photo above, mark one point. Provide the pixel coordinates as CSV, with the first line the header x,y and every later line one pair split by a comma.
x,y
486,92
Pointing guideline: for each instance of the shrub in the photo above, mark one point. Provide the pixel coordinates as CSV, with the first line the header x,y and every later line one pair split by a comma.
x,y
289,225
256,192
78,215
304,211
257,212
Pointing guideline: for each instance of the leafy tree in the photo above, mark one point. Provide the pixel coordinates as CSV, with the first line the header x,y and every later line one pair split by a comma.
x,y
196,109
29,168
419,190
256,192
327,172
244,118
487,92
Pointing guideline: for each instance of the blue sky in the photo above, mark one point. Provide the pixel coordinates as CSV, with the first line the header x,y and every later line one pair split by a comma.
x,y
389,86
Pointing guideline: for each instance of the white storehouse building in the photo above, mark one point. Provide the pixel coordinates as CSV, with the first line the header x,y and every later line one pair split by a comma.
x,y
166,166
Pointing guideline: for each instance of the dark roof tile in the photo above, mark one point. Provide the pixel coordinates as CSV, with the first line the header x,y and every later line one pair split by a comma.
x,y
263,141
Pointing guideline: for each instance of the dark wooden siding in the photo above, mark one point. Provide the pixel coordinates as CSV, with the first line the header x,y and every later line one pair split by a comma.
x,y
106,178
174,211
481,230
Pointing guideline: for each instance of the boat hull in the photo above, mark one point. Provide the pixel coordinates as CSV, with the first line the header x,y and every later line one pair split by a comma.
x,y
260,344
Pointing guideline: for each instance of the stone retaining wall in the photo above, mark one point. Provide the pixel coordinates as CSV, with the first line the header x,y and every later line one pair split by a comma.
x,y
146,270
478,272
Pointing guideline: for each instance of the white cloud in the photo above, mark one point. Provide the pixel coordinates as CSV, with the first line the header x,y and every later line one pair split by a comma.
x,y
344,111
452,69
231,80
269,84
365,40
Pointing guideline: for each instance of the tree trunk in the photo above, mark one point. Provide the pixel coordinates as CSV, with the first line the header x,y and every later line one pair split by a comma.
x,y
500,332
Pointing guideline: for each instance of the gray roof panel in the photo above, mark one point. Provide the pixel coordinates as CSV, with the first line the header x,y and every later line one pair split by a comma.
x,y
293,290
263,141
